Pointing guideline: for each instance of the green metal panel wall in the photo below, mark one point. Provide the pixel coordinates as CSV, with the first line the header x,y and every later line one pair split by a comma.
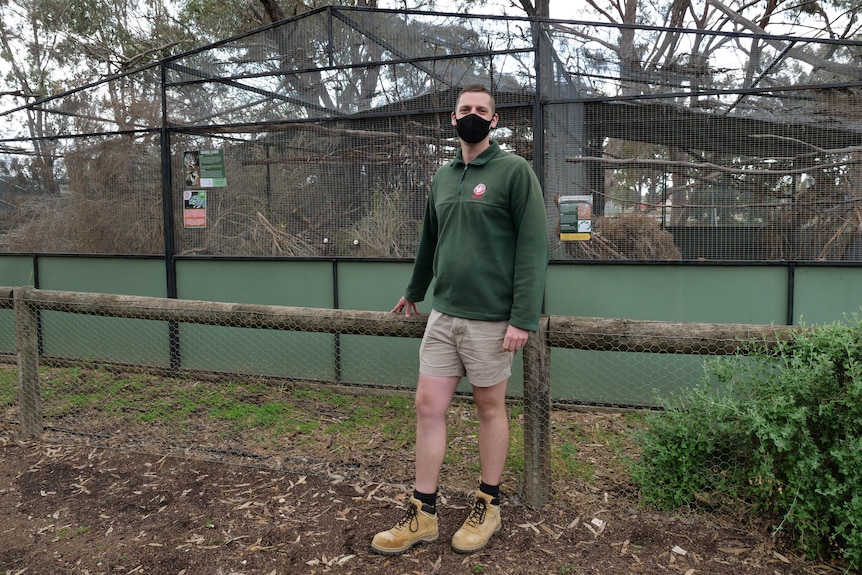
x,y
14,271
119,275
825,294
376,286
101,338
673,292
105,339
620,378
306,356
7,331
694,293
265,282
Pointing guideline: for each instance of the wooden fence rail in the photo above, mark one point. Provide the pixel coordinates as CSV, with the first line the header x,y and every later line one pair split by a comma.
x,y
554,331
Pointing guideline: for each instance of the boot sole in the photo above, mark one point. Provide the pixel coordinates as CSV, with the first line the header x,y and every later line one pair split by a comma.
x,y
467,551
403,550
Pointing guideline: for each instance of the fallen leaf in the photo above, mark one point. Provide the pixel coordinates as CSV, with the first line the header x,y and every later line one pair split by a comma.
x,y
344,559
734,550
530,526
600,526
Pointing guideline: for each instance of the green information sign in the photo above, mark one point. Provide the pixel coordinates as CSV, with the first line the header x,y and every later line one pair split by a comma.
x,y
204,168
212,169
576,217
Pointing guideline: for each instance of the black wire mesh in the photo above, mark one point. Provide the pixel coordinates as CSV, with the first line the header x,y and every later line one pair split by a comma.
x,y
691,144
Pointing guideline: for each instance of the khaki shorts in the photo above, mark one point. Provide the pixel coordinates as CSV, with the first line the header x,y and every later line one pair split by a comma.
x,y
453,346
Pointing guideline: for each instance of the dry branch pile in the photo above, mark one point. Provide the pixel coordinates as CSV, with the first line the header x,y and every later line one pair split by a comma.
x,y
631,236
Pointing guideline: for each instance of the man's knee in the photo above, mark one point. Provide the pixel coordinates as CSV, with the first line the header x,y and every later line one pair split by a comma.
x,y
490,401
430,407
433,395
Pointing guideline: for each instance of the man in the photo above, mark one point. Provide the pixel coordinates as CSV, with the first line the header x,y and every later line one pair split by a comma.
x,y
484,241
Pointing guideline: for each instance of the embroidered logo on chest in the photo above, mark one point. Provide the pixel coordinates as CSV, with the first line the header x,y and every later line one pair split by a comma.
x,y
479,191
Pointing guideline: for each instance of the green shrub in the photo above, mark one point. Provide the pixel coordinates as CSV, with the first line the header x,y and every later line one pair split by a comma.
x,y
781,435
694,452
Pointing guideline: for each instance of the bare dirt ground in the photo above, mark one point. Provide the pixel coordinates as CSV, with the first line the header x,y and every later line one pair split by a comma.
x,y
66,507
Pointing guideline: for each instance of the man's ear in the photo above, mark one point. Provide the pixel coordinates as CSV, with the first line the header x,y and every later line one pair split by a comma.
x,y
454,123
494,120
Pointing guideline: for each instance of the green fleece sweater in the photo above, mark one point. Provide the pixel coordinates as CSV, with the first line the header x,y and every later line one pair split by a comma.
x,y
484,241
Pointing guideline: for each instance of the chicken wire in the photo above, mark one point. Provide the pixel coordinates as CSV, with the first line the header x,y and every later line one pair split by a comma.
x,y
209,377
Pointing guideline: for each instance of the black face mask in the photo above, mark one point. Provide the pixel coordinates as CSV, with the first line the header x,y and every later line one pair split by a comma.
x,y
472,128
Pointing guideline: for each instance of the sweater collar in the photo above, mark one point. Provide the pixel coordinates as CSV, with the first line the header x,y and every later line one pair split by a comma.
x,y
482,158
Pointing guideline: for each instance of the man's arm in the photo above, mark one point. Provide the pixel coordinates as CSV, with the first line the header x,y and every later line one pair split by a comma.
x,y
531,251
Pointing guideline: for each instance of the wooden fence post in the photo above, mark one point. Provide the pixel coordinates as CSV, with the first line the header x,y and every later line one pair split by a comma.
x,y
27,344
537,417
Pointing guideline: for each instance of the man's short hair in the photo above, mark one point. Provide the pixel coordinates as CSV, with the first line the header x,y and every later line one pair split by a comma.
x,y
477,88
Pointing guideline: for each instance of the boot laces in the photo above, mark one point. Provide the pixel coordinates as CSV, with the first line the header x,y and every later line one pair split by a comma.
x,y
477,515
410,519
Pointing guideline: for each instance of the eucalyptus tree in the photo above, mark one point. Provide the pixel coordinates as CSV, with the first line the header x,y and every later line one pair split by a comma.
x,y
49,47
703,54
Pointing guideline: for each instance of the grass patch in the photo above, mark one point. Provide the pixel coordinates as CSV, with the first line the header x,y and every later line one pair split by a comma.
x,y
8,387
66,533
268,418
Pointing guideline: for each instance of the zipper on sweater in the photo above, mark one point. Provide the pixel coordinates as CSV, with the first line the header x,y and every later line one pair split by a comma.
x,y
461,183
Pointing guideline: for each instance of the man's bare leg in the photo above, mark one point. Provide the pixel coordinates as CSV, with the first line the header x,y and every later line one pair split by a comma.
x,y
433,396
484,518
493,430
419,524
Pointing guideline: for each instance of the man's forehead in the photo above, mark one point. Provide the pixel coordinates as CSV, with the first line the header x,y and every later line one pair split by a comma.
x,y
474,99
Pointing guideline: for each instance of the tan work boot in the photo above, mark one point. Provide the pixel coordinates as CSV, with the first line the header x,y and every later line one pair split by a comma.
x,y
483,522
416,526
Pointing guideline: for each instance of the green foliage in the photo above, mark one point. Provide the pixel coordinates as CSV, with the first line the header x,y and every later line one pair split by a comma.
x,y
69,532
695,451
573,464
782,435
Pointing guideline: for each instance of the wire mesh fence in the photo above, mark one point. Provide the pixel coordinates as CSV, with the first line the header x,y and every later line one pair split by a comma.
x,y
319,136
328,127
179,375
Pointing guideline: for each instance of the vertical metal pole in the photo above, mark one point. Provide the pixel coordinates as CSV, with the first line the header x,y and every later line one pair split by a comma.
x,y
542,75
330,44
38,315
27,344
168,215
335,305
791,293
537,417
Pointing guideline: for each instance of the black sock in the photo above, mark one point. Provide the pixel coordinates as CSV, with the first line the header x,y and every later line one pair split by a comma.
x,y
428,500
492,490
